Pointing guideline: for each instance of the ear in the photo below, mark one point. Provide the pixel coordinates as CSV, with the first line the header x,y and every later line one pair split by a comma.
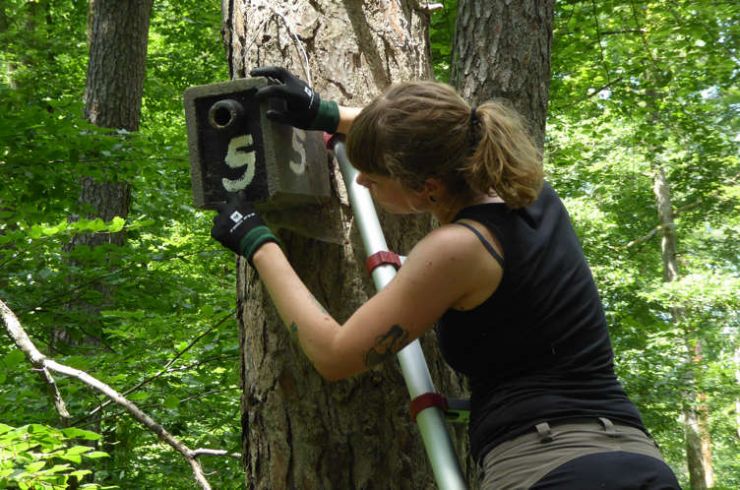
x,y
433,186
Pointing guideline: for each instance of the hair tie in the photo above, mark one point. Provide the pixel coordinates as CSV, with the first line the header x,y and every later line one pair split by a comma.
x,y
473,132
473,115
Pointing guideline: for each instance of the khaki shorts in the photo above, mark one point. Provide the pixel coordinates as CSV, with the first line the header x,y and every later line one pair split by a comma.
x,y
521,462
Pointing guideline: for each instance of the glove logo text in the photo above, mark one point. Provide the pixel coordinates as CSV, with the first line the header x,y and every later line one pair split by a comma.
x,y
236,217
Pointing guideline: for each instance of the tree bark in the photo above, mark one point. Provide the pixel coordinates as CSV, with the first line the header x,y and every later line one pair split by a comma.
x,y
696,412
118,37
502,51
115,83
299,431
115,71
118,32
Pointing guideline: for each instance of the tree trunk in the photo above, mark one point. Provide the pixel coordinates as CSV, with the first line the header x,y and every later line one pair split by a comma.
x,y
698,441
116,68
115,80
502,51
299,431
118,37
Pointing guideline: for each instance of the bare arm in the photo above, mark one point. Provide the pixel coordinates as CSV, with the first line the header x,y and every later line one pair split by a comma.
x,y
435,276
346,116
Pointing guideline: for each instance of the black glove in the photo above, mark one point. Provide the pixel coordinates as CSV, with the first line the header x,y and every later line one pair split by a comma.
x,y
238,227
304,107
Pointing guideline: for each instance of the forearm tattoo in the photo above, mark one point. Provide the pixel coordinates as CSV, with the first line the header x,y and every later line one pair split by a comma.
x,y
387,345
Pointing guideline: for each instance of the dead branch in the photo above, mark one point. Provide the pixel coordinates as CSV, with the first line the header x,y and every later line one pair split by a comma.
x,y
56,396
657,228
21,339
215,452
432,7
41,362
643,238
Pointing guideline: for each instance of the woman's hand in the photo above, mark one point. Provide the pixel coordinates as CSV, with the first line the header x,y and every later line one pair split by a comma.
x,y
304,108
239,228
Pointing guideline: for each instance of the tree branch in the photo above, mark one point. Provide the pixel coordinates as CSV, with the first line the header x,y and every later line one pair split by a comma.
x,y
643,238
67,294
601,47
603,87
431,7
622,31
214,452
677,212
56,396
113,412
40,361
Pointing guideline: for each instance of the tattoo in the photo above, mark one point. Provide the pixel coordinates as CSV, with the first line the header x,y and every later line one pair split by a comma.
x,y
293,329
387,345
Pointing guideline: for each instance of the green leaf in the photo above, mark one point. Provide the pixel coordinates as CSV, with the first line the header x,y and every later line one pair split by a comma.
x,y
35,466
171,402
76,433
116,224
75,458
39,430
139,396
13,358
78,450
79,474
58,468
97,455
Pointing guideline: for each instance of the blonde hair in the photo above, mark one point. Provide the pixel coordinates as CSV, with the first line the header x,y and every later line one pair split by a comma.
x,y
423,129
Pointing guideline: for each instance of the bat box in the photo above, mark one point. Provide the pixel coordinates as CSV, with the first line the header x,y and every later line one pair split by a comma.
x,y
234,147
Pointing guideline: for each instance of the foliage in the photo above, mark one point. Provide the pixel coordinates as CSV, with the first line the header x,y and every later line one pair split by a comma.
x,y
170,322
635,85
37,456
638,87
442,33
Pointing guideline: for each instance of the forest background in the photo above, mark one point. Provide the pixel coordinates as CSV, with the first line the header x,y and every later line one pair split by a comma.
x,y
639,88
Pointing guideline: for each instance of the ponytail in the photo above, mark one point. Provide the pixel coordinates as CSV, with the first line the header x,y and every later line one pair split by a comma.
x,y
505,158
417,130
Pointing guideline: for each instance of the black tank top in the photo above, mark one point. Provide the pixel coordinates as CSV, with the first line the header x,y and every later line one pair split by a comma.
x,y
538,349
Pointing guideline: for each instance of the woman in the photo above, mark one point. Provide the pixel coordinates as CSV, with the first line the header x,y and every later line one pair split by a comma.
x,y
503,278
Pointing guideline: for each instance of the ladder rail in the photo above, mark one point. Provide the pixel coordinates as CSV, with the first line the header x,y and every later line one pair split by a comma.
x,y
431,421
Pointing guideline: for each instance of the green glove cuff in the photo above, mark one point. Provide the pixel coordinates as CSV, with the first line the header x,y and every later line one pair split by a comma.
x,y
327,118
253,240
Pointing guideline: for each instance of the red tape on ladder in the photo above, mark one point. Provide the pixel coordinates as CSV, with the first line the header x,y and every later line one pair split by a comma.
x,y
427,400
382,258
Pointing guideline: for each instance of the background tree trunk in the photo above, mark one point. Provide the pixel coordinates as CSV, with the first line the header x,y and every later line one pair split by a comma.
x,y
696,412
117,64
118,32
502,51
115,83
118,37
299,431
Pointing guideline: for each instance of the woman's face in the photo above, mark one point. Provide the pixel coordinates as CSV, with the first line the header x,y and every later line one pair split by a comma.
x,y
393,196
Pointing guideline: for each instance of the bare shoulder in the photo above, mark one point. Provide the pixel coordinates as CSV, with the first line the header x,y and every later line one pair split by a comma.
x,y
455,255
451,247
450,240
